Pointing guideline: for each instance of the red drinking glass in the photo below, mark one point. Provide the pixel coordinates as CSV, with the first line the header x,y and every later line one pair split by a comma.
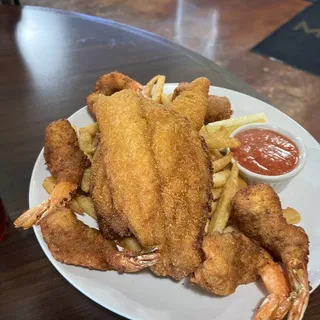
x,y
3,220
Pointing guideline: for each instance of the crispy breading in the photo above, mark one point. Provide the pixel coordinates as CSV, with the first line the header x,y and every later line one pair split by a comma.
x,y
112,224
192,102
219,108
72,242
159,172
62,154
231,259
256,211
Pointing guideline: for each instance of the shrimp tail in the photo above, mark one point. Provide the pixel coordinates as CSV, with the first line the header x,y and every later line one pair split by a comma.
x,y
32,216
278,302
298,276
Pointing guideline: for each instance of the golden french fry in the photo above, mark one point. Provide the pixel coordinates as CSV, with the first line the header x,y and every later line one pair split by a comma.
x,y
85,182
169,96
206,226
92,128
87,141
241,183
220,178
49,184
292,216
213,208
216,193
87,205
156,96
130,243
164,99
234,123
215,154
219,139
222,213
219,164
150,84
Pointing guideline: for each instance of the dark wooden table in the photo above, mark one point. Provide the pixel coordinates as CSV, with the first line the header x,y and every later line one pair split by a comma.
x,y
49,61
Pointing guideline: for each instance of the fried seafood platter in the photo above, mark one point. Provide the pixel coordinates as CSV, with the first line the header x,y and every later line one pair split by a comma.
x,y
149,181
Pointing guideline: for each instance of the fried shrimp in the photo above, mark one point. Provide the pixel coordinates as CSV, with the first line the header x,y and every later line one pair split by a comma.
x,y
72,242
232,259
257,212
66,163
113,82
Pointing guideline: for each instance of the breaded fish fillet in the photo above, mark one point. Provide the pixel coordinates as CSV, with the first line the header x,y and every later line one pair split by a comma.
x,y
159,172
219,108
111,223
192,102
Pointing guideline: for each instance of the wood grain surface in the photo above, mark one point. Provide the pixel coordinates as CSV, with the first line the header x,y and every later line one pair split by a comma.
x,y
49,61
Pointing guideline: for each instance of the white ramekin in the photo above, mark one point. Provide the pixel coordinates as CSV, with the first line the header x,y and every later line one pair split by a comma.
x,y
278,183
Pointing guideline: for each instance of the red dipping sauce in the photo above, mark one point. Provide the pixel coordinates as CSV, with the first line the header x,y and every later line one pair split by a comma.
x,y
266,152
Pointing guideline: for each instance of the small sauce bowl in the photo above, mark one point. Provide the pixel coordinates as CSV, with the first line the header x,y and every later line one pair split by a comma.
x,y
278,182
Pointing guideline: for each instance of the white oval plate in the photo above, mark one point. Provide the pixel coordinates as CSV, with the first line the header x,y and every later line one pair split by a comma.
x,y
146,297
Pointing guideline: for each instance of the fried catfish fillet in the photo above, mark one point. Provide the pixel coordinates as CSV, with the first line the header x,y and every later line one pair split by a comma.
x,y
159,172
192,102
112,224
219,108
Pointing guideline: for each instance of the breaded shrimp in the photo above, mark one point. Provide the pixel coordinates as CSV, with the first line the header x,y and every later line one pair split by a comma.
x,y
66,163
257,212
110,83
232,259
72,242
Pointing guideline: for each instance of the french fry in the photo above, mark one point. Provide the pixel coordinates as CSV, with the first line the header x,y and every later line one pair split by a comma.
x,y
221,140
213,208
241,183
235,123
150,84
87,139
130,243
164,99
292,216
85,142
156,96
92,128
87,205
215,154
216,193
222,213
169,96
49,184
220,178
219,164
85,182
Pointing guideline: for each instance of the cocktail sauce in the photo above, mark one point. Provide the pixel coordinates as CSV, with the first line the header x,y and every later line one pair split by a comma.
x,y
266,152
